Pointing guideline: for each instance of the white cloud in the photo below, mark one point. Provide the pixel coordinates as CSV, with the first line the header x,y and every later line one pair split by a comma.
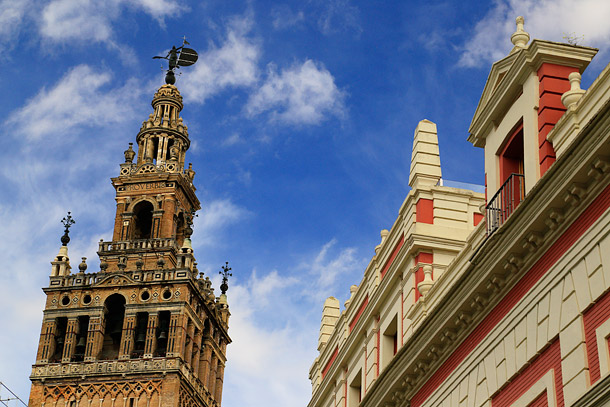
x,y
544,19
12,15
301,94
339,15
213,218
79,99
90,20
284,17
330,271
233,64
275,318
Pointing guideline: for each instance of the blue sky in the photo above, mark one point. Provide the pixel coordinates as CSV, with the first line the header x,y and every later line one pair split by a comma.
x,y
301,116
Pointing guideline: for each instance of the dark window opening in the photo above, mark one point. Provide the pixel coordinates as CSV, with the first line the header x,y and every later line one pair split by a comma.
x,y
113,332
389,345
81,339
162,333
140,334
142,215
61,324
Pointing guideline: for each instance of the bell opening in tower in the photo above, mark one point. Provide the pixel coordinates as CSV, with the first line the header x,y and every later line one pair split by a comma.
x,y
143,213
115,313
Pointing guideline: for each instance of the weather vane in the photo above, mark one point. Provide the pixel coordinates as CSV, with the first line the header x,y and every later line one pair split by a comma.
x,y
67,222
225,277
178,57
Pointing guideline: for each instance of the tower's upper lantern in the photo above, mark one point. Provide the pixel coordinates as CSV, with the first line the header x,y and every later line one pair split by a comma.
x,y
163,139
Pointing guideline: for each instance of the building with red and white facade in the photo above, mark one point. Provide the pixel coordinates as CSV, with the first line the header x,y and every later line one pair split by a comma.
x,y
495,299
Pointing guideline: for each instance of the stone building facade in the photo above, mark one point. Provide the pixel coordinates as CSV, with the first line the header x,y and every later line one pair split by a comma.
x,y
495,299
146,330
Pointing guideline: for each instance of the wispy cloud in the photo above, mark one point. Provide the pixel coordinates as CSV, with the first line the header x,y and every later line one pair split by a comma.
x,y
338,15
268,340
545,19
302,94
12,14
80,98
284,17
64,21
233,64
213,218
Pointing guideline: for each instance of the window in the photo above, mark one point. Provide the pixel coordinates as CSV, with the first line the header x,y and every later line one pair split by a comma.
x,y
354,392
113,332
142,219
389,342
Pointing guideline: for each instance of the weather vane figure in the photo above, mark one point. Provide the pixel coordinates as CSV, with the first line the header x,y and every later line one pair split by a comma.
x,y
225,277
178,57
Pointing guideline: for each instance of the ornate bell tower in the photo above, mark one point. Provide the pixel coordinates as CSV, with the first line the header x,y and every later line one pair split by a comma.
x,y
146,330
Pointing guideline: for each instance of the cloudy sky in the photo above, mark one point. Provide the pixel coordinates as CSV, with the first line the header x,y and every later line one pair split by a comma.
x,y
301,115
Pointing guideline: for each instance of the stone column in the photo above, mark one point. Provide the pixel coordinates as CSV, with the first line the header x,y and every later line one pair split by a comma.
x,y
204,364
95,338
174,336
219,379
151,336
46,346
196,353
212,379
188,349
70,341
129,323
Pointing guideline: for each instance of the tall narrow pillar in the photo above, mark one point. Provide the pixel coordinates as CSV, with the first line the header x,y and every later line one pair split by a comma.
x,y
127,337
46,348
151,336
95,338
70,341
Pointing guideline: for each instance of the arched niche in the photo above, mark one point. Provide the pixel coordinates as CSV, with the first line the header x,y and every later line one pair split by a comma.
x,y
142,219
114,310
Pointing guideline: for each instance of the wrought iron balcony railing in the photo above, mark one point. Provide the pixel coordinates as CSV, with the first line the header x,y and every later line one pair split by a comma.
x,y
504,202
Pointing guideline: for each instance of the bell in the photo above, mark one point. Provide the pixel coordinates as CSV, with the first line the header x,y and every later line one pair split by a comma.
x,y
162,336
59,340
81,343
115,334
141,338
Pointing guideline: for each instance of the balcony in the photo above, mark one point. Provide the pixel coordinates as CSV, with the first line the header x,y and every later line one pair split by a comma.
x,y
504,202
137,244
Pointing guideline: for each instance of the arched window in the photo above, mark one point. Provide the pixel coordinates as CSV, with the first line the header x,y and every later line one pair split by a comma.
x,y
142,219
180,224
115,313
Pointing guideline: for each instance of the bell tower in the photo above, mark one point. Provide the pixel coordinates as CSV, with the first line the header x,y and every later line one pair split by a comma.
x,y
146,329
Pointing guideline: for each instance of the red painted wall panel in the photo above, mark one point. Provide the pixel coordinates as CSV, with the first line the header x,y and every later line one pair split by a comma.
x,y
424,211
389,262
550,257
359,313
330,362
553,83
477,218
545,361
592,319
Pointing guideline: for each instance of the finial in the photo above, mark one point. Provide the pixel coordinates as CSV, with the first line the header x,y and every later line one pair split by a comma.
x,y
129,154
188,230
572,96
225,277
67,222
178,57
520,37
82,267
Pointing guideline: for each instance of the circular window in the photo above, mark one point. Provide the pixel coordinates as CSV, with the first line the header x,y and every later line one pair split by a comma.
x,y
167,294
86,299
145,295
65,300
